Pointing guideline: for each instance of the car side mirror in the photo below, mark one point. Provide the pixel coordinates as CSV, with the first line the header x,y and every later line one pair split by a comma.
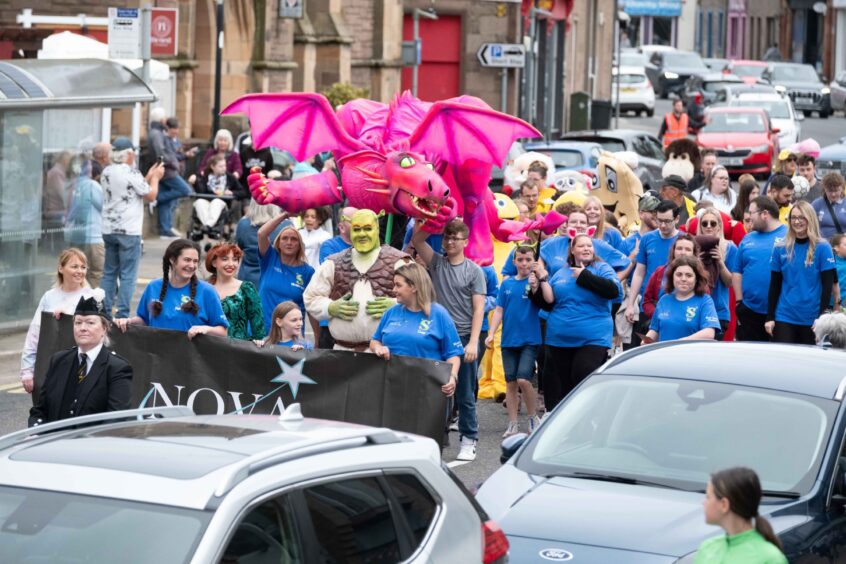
x,y
776,130
510,446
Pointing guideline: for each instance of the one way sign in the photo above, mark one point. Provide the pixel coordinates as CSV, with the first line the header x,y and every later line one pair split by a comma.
x,y
503,55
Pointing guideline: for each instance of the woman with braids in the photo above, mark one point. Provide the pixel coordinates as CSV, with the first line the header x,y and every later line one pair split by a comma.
x,y
731,502
240,299
178,300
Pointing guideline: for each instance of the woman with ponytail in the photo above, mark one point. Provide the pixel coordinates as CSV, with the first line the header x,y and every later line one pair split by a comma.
x,y
731,502
178,300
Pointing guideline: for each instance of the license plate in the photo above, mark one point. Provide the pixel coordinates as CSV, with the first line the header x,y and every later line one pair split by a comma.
x,y
730,161
628,90
804,100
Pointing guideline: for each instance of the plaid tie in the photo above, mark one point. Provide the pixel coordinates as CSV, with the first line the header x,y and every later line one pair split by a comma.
x,y
83,364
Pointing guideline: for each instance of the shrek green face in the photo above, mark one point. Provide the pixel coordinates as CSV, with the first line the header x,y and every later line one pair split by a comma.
x,y
364,231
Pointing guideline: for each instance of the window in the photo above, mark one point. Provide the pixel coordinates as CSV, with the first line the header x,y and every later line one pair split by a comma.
x,y
268,534
352,522
646,147
416,503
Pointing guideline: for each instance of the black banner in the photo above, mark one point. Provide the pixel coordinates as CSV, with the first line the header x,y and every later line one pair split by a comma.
x,y
219,375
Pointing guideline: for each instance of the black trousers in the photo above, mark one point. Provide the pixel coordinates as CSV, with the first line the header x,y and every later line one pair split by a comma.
x,y
796,334
750,325
566,367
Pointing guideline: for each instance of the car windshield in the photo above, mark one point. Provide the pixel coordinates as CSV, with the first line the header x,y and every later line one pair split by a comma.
x,y
748,70
715,86
795,73
676,432
776,109
735,122
690,60
43,526
633,60
565,158
607,144
630,78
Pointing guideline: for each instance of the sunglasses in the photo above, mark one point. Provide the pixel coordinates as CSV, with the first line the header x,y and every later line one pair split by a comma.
x,y
711,223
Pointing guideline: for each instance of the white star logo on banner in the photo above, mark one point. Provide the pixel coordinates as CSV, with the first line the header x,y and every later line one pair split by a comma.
x,y
292,375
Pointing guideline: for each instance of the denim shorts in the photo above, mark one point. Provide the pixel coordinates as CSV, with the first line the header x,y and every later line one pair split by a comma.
x,y
519,362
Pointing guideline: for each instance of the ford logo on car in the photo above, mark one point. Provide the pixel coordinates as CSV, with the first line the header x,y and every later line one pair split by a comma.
x,y
556,554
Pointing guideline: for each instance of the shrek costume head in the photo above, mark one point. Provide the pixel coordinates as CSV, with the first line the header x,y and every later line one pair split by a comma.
x,y
364,231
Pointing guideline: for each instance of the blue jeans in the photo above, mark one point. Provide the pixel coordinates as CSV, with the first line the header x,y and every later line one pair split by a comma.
x,y
120,271
170,191
519,362
465,397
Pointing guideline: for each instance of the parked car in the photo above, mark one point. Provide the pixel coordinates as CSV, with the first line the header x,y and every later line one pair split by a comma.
x,y
715,64
206,489
750,71
617,472
833,158
669,70
780,109
838,92
636,93
648,149
707,85
633,59
569,155
744,139
803,85
726,92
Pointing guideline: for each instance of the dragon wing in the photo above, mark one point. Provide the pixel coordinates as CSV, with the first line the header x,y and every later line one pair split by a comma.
x,y
459,131
302,123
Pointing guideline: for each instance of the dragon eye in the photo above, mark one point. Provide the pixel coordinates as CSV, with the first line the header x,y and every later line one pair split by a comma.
x,y
406,162
431,166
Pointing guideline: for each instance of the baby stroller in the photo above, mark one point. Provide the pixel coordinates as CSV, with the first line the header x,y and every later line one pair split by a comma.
x,y
210,217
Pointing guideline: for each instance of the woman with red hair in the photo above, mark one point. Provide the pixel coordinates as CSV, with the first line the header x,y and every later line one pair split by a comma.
x,y
240,300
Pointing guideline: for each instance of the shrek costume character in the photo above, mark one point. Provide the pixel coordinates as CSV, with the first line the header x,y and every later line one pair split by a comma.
x,y
353,288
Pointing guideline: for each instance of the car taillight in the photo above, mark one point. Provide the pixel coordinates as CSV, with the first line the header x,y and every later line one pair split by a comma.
x,y
649,82
494,543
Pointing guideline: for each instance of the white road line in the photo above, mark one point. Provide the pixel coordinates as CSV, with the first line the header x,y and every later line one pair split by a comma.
x,y
11,386
455,463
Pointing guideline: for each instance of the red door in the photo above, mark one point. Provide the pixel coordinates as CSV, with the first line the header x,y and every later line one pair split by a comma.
x,y
439,74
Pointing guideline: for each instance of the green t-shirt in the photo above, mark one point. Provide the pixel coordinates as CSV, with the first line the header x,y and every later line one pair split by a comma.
x,y
748,547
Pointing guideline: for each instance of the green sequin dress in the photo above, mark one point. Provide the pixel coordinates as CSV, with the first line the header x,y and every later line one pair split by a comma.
x,y
243,310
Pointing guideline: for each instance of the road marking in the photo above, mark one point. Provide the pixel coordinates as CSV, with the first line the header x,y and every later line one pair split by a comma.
x,y
11,386
455,463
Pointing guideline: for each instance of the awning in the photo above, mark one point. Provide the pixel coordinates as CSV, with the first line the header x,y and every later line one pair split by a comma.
x,y
63,83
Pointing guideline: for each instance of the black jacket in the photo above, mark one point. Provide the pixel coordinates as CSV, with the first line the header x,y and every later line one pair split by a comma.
x,y
106,388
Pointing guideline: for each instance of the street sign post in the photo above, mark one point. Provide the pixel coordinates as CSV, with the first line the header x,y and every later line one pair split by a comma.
x,y
502,55
163,32
124,33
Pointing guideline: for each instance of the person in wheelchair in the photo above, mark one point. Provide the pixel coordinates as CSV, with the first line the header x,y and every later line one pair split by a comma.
x,y
217,192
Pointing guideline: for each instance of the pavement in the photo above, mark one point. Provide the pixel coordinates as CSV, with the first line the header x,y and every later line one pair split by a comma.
x,y
15,402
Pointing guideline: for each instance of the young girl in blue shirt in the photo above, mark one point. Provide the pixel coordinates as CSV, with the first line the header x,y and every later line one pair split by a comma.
x,y
178,300
686,311
286,328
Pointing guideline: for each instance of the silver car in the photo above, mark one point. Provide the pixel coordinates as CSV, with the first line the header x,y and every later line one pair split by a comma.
x,y
164,485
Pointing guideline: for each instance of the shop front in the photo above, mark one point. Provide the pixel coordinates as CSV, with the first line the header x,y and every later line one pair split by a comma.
x,y
52,113
653,22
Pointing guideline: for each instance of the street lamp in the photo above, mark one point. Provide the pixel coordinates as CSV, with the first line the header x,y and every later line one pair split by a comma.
x,y
418,13
217,68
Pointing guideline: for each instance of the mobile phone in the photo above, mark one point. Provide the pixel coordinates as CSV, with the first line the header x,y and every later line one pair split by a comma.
x,y
160,160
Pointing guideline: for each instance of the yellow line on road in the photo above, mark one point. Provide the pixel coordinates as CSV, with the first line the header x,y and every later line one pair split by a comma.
x,y
11,388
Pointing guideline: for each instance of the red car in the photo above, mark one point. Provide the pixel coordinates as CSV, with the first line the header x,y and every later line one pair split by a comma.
x,y
749,71
744,139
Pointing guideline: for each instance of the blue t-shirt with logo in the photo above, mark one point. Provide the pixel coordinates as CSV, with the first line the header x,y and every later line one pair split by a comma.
x,y
654,251
334,245
553,251
720,293
753,264
172,317
801,287
676,319
280,282
492,286
304,344
840,264
520,320
579,316
629,245
614,238
412,333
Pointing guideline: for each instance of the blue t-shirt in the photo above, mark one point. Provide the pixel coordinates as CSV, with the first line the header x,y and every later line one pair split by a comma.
x,y
411,333
801,287
840,264
753,264
553,251
334,245
614,238
435,240
304,344
827,227
654,251
280,282
520,321
676,319
492,286
720,293
580,317
172,317
246,236
629,245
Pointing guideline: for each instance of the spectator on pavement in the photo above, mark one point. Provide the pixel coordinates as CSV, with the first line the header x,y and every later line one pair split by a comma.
x,y
228,191
751,281
686,311
831,206
286,329
172,129
240,299
803,274
100,153
717,189
84,224
124,192
224,145
172,186
60,299
179,300
732,498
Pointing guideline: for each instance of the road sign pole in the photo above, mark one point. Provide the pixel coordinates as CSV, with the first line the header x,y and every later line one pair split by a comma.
x,y
146,26
417,42
503,90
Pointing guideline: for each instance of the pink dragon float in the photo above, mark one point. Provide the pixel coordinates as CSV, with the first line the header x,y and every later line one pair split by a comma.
x,y
429,161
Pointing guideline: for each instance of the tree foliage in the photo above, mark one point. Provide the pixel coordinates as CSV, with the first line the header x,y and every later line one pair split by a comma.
x,y
342,92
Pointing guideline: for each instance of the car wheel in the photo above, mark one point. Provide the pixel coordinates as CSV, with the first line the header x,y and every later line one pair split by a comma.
x,y
650,112
807,113
825,114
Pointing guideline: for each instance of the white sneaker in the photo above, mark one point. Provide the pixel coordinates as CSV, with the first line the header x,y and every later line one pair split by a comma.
x,y
512,429
454,425
534,422
467,451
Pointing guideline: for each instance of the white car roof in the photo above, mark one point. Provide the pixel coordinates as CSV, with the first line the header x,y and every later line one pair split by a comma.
x,y
630,70
761,97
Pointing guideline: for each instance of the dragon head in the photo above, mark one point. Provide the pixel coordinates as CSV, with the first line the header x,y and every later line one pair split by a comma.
x,y
418,191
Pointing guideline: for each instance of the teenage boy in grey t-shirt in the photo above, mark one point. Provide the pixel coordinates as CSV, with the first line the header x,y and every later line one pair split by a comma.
x,y
459,287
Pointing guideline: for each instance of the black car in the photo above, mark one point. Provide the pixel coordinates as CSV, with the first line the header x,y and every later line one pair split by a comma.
x,y
804,86
669,70
708,85
647,147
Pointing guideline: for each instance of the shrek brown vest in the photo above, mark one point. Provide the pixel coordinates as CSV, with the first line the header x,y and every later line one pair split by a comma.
x,y
380,274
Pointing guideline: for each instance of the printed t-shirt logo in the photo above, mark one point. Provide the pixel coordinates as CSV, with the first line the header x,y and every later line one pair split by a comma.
x,y
183,299
423,327
299,280
690,312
